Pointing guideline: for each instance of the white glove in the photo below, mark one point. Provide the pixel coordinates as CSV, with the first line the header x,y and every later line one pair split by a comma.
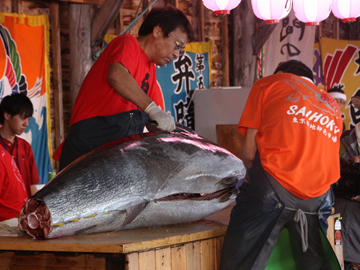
x,y
165,121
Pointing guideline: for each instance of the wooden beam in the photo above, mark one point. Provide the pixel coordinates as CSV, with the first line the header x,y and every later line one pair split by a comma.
x,y
201,21
15,6
103,19
119,24
244,66
80,40
354,28
57,75
225,50
261,36
92,2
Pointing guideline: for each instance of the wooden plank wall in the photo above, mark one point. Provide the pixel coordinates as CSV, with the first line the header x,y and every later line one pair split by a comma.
x,y
199,255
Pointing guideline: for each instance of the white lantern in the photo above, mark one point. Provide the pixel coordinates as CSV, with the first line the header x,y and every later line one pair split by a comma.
x,y
221,6
312,12
271,11
347,10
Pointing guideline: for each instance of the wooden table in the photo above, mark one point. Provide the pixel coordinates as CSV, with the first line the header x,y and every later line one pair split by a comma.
x,y
187,246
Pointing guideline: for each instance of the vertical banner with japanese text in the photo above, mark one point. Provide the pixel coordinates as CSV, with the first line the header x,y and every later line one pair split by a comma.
x,y
317,67
341,69
290,40
24,69
180,79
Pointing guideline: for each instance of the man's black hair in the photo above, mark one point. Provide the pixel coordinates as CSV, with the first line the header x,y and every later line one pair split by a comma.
x,y
336,89
295,67
168,18
15,104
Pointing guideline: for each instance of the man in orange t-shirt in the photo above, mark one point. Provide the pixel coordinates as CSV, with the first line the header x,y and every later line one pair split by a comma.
x,y
292,134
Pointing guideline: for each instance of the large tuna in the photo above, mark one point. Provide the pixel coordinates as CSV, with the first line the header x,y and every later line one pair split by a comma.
x,y
147,180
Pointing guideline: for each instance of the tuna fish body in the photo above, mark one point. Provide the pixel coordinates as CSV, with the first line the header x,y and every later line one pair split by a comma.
x,y
152,179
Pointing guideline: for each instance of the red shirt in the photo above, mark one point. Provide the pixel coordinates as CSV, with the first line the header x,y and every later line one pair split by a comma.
x,y
12,188
24,159
299,127
96,96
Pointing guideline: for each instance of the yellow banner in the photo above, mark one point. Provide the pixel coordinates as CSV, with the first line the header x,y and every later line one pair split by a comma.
x,y
341,69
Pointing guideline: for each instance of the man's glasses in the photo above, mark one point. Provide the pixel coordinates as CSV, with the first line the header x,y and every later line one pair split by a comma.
x,y
178,46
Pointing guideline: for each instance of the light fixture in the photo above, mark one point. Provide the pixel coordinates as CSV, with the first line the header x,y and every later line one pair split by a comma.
x,y
271,11
347,10
221,7
312,12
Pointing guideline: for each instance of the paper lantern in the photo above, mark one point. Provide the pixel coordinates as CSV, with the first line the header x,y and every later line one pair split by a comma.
x,y
312,12
347,10
221,6
271,11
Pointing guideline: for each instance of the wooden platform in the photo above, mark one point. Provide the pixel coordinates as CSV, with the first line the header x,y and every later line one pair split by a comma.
x,y
187,246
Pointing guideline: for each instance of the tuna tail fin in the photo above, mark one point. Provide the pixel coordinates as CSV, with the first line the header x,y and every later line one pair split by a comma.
x,y
133,212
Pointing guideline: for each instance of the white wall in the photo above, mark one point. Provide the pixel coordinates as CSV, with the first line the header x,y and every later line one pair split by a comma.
x,y
221,106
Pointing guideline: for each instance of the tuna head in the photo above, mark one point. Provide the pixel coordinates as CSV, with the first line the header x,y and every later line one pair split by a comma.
x,y
153,179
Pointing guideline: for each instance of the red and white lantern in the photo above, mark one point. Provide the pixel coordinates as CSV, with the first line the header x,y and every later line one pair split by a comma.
x,y
347,10
271,11
312,12
221,6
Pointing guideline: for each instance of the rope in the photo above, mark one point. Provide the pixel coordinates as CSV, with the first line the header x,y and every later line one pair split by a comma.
x,y
300,216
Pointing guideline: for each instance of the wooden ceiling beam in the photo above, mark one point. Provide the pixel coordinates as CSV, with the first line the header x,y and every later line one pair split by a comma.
x,y
103,19
93,2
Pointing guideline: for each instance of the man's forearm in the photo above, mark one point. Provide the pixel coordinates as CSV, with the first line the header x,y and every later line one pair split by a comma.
x,y
126,86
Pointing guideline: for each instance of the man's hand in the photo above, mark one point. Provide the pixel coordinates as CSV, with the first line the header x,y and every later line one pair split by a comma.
x,y
356,101
164,120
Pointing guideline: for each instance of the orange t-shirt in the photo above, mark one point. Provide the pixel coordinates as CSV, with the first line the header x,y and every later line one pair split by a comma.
x,y
299,127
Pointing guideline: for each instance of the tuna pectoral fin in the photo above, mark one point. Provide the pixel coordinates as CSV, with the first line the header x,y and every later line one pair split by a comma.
x,y
233,183
133,212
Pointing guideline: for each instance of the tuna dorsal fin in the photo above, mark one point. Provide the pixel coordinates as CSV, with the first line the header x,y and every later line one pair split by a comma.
x,y
133,212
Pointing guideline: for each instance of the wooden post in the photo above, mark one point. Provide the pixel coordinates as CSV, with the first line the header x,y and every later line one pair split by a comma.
x,y
57,73
15,6
244,67
354,30
201,21
80,16
225,50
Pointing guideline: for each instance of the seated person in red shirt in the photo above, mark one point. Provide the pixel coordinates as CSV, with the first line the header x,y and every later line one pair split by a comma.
x,y
12,188
15,112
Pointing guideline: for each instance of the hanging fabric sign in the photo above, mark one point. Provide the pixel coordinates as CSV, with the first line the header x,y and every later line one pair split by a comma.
x,y
24,68
290,40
